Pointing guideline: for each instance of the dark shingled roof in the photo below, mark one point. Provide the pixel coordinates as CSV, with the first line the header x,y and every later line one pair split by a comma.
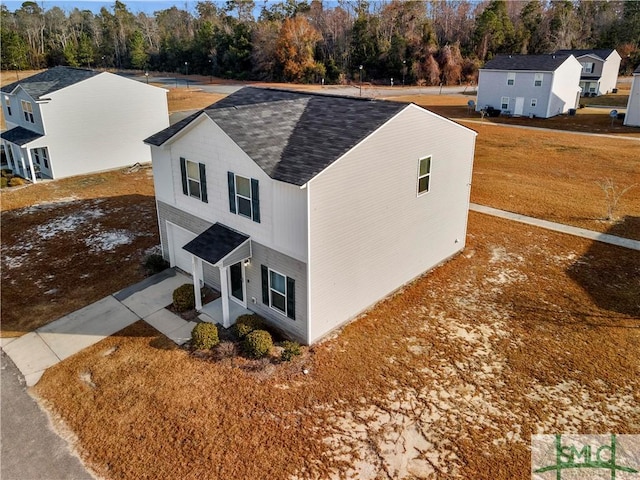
x,y
603,53
215,243
20,136
539,63
637,70
292,136
50,80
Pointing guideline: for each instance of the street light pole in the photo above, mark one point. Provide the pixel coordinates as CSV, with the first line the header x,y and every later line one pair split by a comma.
x,y
146,75
360,80
404,70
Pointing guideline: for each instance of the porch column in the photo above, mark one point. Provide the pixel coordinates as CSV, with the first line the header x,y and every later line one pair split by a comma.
x,y
224,293
195,273
30,162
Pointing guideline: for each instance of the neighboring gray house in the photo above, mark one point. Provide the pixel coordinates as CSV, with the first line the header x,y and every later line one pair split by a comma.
x,y
70,121
599,69
530,85
632,117
307,208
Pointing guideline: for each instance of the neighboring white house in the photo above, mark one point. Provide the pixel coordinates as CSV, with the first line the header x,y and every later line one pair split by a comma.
x,y
70,121
530,85
632,117
308,209
599,69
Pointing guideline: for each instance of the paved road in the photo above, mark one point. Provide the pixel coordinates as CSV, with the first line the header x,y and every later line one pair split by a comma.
x,y
30,449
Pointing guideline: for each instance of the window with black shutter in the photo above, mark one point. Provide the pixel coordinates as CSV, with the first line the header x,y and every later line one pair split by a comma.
x,y
279,292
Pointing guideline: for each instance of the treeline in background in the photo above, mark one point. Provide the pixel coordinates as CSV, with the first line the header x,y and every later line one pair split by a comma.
x,y
424,42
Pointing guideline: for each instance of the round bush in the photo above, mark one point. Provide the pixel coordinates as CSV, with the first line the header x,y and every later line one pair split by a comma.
x,y
204,336
155,263
258,343
246,324
184,298
16,181
290,350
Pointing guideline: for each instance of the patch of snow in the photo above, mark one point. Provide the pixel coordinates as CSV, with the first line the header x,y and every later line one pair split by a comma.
x,y
107,241
68,223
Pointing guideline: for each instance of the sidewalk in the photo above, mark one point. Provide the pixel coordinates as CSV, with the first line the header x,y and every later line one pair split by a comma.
x,y
558,227
36,351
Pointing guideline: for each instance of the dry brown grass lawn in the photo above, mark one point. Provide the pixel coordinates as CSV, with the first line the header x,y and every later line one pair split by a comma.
x,y
181,99
68,243
526,332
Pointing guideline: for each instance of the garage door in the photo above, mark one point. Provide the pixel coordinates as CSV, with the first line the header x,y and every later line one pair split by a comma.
x,y
178,237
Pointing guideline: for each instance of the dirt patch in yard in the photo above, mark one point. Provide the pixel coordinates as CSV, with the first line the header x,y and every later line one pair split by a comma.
x,y
181,99
447,379
71,242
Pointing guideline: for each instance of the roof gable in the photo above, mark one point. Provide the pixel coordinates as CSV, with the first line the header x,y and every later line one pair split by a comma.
x,y
601,53
292,136
538,63
50,81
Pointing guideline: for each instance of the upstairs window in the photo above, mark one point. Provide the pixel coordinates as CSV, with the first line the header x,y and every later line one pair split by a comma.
x,y
244,196
27,109
587,67
511,78
424,175
7,102
194,179
537,81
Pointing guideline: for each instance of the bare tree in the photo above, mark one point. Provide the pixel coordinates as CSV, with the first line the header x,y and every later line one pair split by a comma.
x,y
613,193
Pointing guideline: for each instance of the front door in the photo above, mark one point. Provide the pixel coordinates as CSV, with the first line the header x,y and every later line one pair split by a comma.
x,y
236,280
519,106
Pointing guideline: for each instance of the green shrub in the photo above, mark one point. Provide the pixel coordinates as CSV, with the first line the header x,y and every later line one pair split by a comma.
x,y
16,181
4,182
291,349
155,263
184,298
246,324
204,336
257,343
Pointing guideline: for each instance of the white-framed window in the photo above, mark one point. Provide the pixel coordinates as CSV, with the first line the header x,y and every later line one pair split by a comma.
x,y
40,156
504,103
511,78
27,109
424,175
44,153
194,179
244,196
36,155
7,102
537,81
278,291
12,161
534,102
587,67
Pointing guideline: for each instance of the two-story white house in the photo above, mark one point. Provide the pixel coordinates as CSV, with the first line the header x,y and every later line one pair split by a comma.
x,y
70,121
600,68
632,117
530,85
308,209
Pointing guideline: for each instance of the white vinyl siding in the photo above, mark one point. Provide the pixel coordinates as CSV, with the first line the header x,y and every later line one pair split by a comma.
x,y
359,256
511,78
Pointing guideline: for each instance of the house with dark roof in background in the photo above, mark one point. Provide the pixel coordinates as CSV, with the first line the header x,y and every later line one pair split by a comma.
x,y
306,208
530,85
70,121
600,68
632,117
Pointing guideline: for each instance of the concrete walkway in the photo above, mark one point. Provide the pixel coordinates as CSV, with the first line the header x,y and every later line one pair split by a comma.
x,y
36,351
558,227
